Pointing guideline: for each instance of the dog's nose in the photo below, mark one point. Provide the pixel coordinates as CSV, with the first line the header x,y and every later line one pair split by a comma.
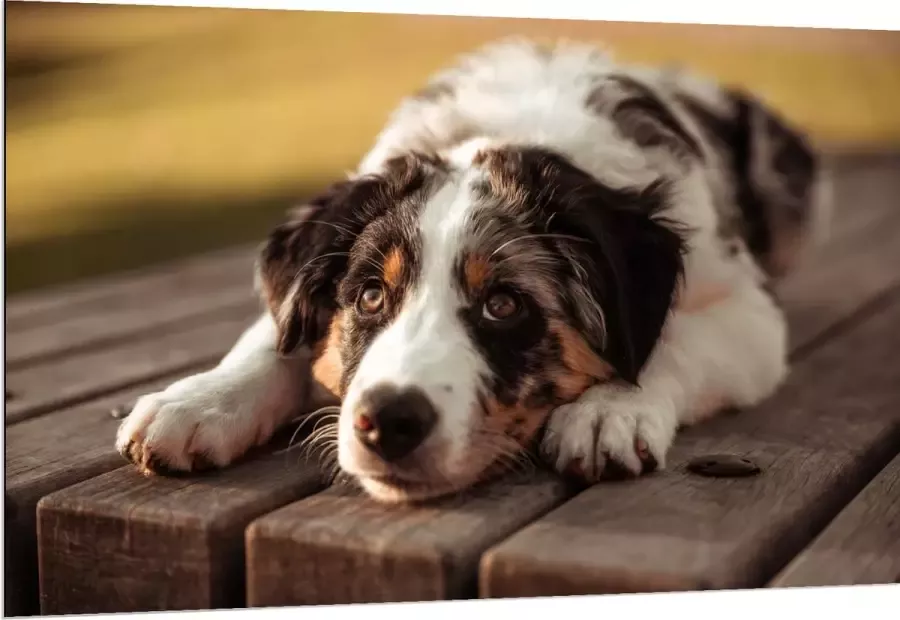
x,y
392,422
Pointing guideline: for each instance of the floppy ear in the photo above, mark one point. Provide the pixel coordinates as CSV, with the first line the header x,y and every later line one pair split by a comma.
x,y
643,116
776,171
303,260
625,263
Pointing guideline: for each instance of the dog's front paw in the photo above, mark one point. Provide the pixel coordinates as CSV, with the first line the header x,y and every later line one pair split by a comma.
x,y
610,432
194,424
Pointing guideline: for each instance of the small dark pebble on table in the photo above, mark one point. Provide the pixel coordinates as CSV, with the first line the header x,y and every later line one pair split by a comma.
x,y
723,466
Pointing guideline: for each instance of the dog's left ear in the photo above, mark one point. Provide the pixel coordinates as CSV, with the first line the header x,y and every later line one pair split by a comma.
x,y
625,265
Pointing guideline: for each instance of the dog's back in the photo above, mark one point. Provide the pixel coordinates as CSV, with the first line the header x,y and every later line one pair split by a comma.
x,y
767,183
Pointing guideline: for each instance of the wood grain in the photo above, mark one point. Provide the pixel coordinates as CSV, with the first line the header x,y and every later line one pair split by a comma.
x,y
341,547
112,323
832,427
128,289
858,259
70,380
122,542
861,545
44,455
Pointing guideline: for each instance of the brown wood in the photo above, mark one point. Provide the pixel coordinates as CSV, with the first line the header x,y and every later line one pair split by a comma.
x,y
341,547
859,257
832,427
44,455
861,545
124,290
122,542
112,323
70,380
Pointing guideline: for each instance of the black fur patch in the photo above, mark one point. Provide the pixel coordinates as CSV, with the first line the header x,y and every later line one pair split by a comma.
x,y
642,116
772,168
612,251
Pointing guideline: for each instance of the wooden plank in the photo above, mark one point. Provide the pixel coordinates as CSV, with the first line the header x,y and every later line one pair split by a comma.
x,y
129,289
58,383
123,542
861,545
859,251
828,291
831,428
110,323
341,547
44,455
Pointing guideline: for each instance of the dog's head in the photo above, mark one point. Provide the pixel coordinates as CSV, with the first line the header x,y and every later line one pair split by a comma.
x,y
451,305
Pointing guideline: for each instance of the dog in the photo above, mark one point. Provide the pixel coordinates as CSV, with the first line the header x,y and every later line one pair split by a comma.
x,y
545,248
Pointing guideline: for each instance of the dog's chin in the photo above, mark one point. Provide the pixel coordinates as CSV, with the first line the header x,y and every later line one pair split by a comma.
x,y
395,490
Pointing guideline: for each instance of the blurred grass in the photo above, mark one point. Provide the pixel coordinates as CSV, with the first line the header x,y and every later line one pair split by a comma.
x,y
136,134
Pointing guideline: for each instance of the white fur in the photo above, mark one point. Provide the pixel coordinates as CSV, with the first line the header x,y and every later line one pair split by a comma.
x,y
426,346
223,412
731,350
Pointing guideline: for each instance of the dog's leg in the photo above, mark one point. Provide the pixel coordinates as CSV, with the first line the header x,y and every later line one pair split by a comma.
x,y
732,352
214,417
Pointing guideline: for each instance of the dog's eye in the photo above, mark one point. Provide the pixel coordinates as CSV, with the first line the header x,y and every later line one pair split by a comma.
x,y
500,306
371,299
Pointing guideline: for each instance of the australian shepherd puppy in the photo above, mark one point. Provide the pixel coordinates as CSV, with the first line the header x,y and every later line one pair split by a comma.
x,y
543,248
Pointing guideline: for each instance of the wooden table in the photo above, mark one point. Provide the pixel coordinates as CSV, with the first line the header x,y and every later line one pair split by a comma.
x,y
85,533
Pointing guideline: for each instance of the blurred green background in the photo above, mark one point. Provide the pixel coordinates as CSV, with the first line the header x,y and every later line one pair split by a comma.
x,y
141,134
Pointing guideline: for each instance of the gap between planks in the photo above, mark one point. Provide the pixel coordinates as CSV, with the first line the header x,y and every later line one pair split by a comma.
x,y
860,546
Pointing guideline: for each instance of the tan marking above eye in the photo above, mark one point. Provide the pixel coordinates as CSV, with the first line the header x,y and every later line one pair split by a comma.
x,y
477,270
393,267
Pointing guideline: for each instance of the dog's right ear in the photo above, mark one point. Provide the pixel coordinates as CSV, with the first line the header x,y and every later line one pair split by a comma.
x,y
303,258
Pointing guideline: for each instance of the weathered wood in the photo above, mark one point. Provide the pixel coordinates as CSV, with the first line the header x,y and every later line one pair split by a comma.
x,y
128,289
831,428
56,384
122,542
861,545
112,323
341,547
44,455
833,288
857,260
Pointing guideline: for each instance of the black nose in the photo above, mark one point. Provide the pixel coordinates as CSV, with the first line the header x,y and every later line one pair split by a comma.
x,y
392,422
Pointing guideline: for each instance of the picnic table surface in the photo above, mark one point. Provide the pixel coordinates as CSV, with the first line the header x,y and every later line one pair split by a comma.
x,y
86,533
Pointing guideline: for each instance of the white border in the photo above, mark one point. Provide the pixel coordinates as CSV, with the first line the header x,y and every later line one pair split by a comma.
x,y
872,601
822,603
859,14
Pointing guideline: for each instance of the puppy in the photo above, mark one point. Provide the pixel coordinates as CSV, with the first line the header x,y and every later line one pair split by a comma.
x,y
543,246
